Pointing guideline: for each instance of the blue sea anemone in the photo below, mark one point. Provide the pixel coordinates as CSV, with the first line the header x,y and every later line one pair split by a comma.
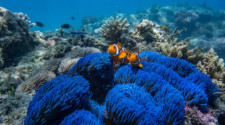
x,y
97,68
155,94
130,104
56,103
80,117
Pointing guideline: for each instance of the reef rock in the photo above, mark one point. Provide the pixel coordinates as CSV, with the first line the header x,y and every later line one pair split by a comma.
x,y
15,38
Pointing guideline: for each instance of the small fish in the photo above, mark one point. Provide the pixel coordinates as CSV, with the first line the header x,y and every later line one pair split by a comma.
x,y
135,60
118,53
78,32
40,24
66,26
72,18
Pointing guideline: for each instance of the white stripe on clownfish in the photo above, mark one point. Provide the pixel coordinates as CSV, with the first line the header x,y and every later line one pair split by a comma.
x,y
117,50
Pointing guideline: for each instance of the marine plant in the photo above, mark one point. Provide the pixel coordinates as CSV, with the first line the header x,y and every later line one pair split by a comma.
x,y
141,96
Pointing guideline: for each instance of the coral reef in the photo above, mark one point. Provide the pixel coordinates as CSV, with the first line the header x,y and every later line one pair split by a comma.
x,y
213,66
13,109
117,30
15,38
152,88
34,82
114,28
164,42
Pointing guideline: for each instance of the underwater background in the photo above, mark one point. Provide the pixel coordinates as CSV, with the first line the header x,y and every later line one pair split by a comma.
x,y
54,13
106,62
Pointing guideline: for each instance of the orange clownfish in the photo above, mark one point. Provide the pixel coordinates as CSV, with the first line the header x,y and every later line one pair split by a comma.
x,y
118,53
135,60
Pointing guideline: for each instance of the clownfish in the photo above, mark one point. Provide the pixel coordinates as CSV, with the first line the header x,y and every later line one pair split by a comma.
x,y
118,53
135,60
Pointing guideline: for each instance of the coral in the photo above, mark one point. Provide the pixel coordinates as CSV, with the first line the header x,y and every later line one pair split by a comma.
x,y
80,117
9,79
114,28
97,68
194,116
149,32
68,95
89,41
15,38
66,64
49,65
160,40
213,66
35,81
24,17
78,51
13,109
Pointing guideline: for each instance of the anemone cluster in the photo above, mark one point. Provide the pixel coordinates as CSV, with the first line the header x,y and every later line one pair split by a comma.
x,y
92,93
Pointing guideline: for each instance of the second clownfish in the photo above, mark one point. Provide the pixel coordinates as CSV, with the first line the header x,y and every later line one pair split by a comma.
x,y
119,54
135,60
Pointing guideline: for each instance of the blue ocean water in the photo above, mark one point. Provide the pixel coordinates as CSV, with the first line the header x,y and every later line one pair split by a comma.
x,y
54,13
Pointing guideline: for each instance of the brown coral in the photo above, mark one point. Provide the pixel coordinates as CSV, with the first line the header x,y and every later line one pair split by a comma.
x,y
34,82
214,67
66,64
160,40
114,28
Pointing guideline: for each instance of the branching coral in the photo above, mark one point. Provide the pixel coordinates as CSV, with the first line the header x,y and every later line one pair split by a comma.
x,y
149,32
114,28
159,39
49,106
213,66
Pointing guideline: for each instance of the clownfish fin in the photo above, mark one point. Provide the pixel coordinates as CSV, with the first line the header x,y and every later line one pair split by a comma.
x,y
122,54
128,51
119,45
140,65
